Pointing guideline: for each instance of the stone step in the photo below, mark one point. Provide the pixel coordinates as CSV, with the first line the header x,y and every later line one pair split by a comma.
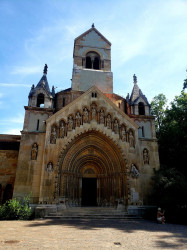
x,y
93,217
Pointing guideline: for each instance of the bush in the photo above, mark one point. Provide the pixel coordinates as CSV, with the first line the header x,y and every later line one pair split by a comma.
x,y
15,210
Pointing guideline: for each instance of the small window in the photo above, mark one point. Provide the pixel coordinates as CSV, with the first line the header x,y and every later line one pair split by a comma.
x,y
38,123
141,108
143,134
119,105
63,102
94,95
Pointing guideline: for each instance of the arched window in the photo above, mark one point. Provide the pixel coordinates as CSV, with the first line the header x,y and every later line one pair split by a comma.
x,y
141,108
8,193
92,60
40,100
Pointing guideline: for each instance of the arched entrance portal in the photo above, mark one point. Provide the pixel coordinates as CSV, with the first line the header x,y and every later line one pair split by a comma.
x,y
92,171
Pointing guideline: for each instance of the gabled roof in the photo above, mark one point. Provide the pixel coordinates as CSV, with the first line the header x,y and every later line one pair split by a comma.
x,y
92,29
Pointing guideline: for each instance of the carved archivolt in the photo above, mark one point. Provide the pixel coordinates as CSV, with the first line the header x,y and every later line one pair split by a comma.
x,y
94,114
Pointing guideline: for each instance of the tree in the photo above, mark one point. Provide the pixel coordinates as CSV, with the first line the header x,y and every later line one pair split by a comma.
x,y
158,107
172,136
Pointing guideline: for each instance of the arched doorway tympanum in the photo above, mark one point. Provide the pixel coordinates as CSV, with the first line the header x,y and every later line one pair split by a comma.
x,y
91,172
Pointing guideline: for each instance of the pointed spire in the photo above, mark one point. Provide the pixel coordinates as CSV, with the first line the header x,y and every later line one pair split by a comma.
x,y
43,83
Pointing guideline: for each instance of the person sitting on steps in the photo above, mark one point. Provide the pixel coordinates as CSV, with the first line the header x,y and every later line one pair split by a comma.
x,y
160,216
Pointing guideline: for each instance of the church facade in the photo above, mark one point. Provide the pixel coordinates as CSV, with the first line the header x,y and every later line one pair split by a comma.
x,y
83,146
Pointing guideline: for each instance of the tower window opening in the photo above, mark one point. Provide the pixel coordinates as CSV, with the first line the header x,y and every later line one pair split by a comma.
x,y
119,105
37,126
93,61
88,62
141,108
40,100
96,63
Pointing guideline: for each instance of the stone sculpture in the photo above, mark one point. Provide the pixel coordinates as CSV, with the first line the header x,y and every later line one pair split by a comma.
x,y
34,151
53,135
145,156
134,171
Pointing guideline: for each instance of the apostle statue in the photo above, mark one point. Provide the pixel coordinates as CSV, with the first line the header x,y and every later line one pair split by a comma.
x,y
108,121
53,135
85,115
70,123
116,126
62,130
101,116
131,139
78,119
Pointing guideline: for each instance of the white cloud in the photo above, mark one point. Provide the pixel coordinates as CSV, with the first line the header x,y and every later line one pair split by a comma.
x,y
25,70
12,131
19,119
14,85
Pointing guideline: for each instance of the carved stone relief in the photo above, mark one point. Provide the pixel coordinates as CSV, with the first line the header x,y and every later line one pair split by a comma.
x,y
84,117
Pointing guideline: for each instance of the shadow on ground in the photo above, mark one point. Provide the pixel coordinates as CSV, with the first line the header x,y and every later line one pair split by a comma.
x,y
169,231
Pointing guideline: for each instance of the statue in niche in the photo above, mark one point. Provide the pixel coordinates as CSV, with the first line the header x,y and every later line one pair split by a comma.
x,y
94,113
145,156
123,134
85,115
131,139
108,121
62,130
34,151
101,116
70,123
116,126
78,119
49,168
134,171
53,135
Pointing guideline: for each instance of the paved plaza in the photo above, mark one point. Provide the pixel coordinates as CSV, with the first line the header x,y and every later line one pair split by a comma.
x,y
91,234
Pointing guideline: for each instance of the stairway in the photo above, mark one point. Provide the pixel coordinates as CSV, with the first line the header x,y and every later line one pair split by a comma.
x,y
94,213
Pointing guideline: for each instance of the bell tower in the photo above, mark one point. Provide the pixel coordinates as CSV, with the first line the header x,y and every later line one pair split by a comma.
x,y
92,62
40,106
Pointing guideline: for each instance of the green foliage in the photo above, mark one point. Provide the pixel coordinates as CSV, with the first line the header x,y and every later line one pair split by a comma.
x,y
15,210
158,107
170,187
172,136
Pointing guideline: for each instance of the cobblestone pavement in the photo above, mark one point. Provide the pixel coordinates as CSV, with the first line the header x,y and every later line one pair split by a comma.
x,y
91,234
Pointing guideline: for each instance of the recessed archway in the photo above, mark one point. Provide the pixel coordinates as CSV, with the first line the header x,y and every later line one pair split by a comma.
x,y
92,155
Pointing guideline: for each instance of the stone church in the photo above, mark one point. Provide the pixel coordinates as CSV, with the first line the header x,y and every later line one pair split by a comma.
x,y
85,145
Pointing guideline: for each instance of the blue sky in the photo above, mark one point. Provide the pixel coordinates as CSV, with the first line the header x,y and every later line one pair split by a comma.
x,y
149,38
